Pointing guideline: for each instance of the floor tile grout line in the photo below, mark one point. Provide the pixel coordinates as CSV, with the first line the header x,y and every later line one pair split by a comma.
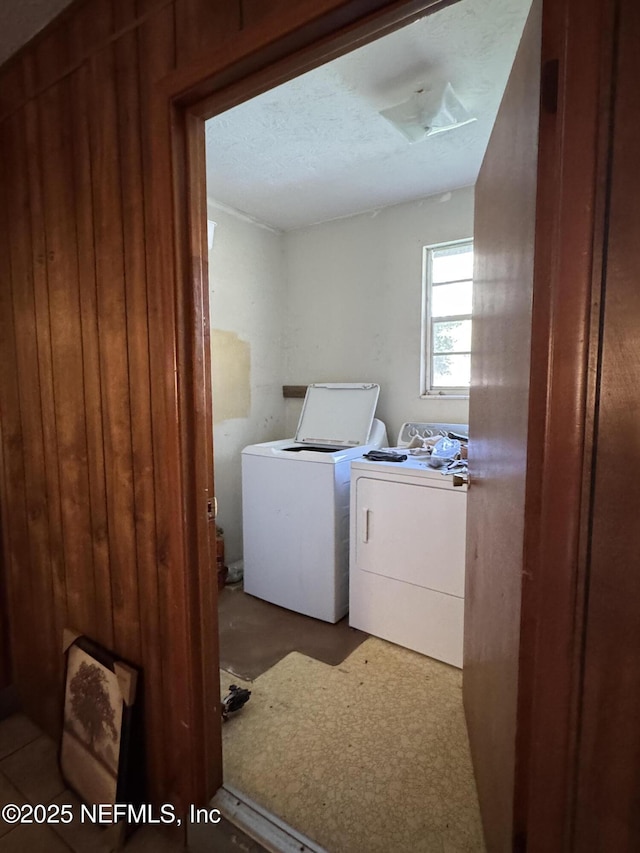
x,y
22,746
26,796
46,826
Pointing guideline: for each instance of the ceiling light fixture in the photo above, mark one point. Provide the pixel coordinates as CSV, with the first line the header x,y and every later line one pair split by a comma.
x,y
428,111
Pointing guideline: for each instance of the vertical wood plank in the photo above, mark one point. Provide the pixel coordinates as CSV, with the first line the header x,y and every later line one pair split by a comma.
x,y
102,630
48,662
130,134
52,54
56,155
16,546
5,648
43,339
124,12
114,360
12,89
91,24
200,22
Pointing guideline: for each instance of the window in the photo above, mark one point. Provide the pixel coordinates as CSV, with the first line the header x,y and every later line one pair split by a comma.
x,y
448,287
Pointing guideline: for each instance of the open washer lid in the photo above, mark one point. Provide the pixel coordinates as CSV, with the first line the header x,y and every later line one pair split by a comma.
x,y
337,414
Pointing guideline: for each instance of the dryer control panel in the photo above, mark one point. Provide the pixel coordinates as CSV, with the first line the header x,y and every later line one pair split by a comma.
x,y
425,430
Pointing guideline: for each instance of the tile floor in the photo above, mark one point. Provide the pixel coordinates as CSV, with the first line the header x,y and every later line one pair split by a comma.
x,y
29,774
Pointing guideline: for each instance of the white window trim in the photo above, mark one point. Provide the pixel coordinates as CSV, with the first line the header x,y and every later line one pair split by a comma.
x,y
425,329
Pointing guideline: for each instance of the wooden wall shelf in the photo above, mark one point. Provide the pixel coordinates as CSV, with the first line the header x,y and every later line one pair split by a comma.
x,y
294,391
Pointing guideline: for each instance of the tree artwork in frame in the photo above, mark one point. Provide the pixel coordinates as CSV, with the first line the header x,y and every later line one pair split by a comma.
x,y
98,712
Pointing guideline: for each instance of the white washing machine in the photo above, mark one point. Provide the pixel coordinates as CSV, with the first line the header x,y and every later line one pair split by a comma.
x,y
407,558
295,502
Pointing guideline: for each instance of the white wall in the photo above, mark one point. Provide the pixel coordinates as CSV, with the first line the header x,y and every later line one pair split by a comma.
x,y
354,304
247,300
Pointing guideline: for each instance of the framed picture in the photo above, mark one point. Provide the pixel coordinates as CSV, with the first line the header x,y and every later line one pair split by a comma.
x,y
95,751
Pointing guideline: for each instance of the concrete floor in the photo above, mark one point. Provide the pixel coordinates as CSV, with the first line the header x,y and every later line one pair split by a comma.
x,y
242,618
29,774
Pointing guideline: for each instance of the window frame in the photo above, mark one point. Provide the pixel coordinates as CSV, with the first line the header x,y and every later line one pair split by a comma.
x,y
460,392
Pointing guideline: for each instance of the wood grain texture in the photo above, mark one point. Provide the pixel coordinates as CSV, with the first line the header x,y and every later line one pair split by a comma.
x,y
22,280
199,401
45,370
157,58
201,23
105,525
15,526
135,268
12,85
5,648
504,234
281,48
61,266
114,356
607,813
103,630
570,260
104,375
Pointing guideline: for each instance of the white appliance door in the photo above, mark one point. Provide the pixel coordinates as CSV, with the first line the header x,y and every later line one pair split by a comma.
x,y
289,534
338,415
411,533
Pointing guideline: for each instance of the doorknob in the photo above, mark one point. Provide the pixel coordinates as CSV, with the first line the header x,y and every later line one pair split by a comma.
x,y
212,508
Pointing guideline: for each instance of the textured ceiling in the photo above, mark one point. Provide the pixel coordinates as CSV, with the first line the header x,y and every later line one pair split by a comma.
x,y
20,20
316,148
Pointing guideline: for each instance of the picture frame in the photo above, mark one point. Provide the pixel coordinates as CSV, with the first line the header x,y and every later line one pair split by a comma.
x,y
97,747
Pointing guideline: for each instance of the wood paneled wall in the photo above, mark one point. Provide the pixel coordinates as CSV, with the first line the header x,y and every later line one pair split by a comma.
x,y
95,454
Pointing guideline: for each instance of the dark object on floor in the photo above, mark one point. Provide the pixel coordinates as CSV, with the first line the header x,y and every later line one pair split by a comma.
x,y
255,635
236,698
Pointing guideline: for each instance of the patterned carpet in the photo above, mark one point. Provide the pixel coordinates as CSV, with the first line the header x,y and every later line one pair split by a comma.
x,y
370,755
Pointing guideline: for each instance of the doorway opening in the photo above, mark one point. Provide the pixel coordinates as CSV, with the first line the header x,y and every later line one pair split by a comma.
x,y
316,276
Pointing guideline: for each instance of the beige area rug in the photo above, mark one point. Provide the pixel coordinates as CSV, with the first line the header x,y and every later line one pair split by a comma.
x,y
370,756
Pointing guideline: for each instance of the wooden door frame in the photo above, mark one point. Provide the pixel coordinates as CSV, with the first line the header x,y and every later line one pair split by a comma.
x,y
567,227
577,50
255,63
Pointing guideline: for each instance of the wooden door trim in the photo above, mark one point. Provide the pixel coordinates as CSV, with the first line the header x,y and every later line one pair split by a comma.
x,y
255,63
302,46
194,373
568,219
570,229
